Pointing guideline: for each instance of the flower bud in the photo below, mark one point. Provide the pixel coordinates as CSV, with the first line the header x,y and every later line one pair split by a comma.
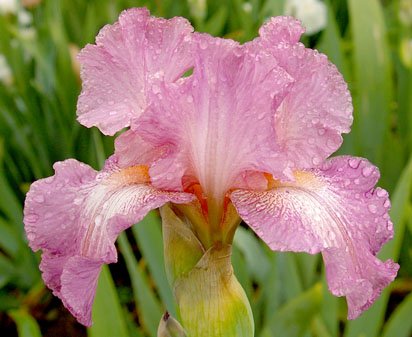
x,y
212,302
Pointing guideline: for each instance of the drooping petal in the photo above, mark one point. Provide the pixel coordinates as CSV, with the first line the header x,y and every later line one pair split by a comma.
x,y
74,217
335,210
127,54
217,123
318,108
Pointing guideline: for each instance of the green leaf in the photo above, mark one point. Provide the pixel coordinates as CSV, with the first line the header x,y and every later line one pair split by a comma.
x,y
26,324
256,259
214,26
148,307
295,317
149,238
108,318
373,89
400,322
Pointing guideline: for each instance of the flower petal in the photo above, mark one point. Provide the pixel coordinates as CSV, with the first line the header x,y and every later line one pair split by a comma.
x,y
126,56
217,123
75,217
333,209
318,107
131,149
282,29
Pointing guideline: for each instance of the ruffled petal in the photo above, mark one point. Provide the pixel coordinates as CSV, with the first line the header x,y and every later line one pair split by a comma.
x,y
75,217
318,109
217,123
116,70
282,29
334,210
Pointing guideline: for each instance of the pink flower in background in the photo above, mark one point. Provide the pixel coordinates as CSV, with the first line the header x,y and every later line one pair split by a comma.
x,y
252,127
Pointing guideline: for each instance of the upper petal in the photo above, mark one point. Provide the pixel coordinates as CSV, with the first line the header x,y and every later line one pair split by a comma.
x,y
116,70
336,210
75,217
280,29
318,108
217,123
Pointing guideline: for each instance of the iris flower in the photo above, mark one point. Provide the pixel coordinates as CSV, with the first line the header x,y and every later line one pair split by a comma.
x,y
224,132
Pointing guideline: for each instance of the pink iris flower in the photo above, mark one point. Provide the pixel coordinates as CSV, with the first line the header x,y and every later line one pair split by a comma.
x,y
225,132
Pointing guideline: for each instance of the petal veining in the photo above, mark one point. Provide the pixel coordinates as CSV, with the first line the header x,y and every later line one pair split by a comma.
x,y
126,56
333,209
74,217
218,123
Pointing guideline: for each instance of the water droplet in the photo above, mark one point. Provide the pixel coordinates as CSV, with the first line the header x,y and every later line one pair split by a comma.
x,y
31,218
380,192
316,161
367,171
78,201
98,220
189,99
39,198
354,163
321,131
203,44
31,236
347,182
372,208
155,89
356,181
387,203
330,143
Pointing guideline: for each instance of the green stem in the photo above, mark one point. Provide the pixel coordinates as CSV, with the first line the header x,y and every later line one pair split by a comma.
x,y
211,301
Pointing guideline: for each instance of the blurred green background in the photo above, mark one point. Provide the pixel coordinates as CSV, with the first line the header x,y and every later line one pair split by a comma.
x,y
371,43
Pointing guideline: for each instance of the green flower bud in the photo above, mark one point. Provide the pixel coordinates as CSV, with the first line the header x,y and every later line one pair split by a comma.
x,y
211,301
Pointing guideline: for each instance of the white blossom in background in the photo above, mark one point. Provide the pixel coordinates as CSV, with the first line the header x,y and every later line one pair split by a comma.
x,y
8,6
312,14
247,7
5,71
24,17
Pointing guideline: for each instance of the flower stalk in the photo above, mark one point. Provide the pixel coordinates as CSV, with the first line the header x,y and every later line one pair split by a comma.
x,y
211,301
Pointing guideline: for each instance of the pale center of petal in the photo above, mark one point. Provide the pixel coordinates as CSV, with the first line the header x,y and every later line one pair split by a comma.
x,y
103,203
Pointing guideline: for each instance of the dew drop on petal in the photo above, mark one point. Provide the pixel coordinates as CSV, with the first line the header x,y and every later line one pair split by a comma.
x,y
354,163
32,218
367,171
316,161
31,236
39,198
381,192
203,44
98,220
372,208
331,143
